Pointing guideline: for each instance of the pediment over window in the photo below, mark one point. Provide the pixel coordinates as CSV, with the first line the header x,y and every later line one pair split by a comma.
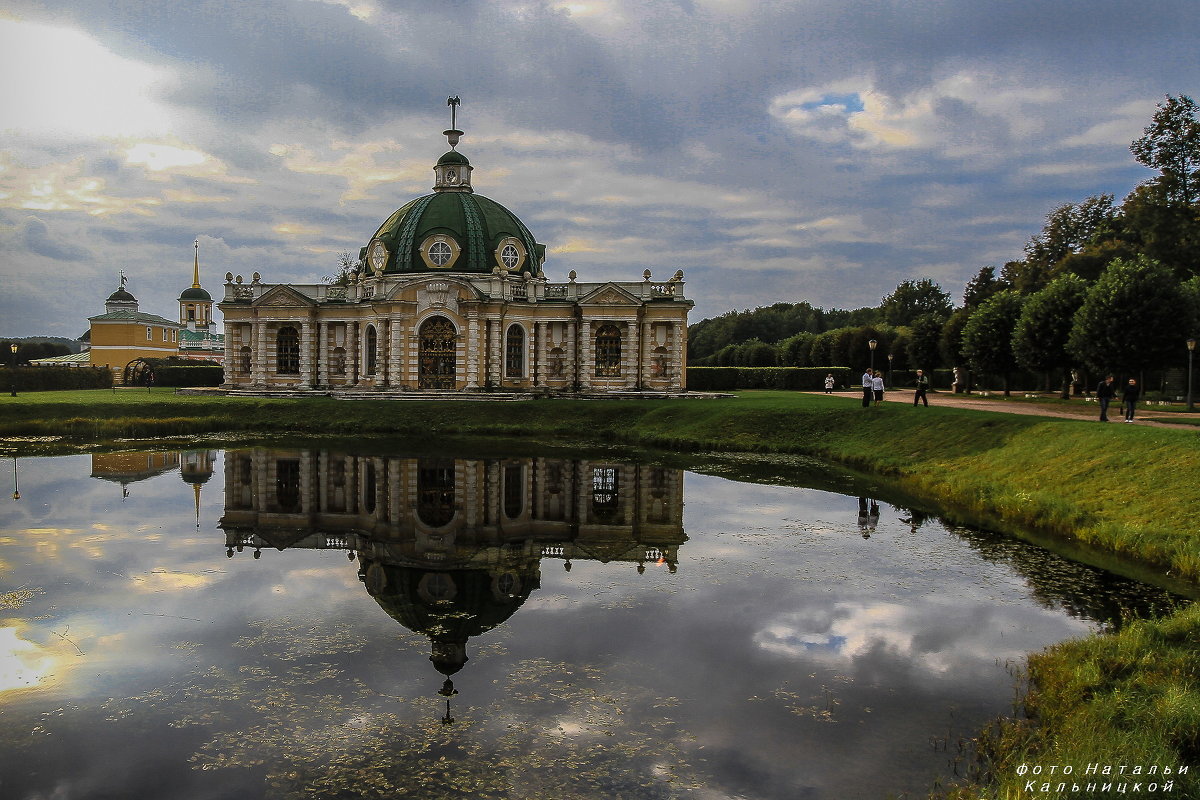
x,y
283,297
610,295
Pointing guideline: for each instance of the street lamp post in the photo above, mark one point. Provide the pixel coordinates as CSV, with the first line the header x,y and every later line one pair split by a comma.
x,y
891,360
872,344
1191,344
13,347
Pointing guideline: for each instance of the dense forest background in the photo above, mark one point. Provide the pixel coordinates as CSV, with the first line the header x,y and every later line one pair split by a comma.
x,y
1103,287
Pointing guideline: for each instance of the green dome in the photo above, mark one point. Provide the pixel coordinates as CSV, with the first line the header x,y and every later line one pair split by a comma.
x,y
469,233
453,157
195,293
121,294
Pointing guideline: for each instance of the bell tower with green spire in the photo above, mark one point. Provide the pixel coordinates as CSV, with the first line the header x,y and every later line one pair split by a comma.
x,y
195,304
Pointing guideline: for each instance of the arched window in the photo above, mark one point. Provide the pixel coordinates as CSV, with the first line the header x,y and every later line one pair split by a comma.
x,y
608,352
287,351
514,352
372,349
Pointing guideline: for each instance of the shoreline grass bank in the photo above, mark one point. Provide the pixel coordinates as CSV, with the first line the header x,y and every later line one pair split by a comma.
x,y
1128,490
1129,697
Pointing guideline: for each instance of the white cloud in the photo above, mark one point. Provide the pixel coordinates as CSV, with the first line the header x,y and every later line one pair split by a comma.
x,y
71,86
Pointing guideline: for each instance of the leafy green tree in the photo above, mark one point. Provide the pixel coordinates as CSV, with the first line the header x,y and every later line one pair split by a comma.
x,y
1039,339
987,336
1069,229
950,342
1130,319
1166,231
1171,145
924,337
982,287
756,353
346,266
911,299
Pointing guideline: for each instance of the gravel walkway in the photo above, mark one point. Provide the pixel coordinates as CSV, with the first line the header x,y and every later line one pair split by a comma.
x,y
1146,415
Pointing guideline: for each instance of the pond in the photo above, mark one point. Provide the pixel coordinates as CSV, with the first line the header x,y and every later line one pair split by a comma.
x,y
330,622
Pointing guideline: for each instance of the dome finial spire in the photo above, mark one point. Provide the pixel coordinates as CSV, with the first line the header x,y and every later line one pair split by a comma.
x,y
453,134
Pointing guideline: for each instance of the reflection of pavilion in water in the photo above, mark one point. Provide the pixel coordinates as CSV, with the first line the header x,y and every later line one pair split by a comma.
x,y
450,548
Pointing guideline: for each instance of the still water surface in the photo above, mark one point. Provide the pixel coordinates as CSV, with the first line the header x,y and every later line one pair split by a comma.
x,y
307,622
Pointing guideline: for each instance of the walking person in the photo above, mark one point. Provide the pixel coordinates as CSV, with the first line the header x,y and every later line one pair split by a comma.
x,y
868,392
877,387
1104,394
1129,398
829,382
922,388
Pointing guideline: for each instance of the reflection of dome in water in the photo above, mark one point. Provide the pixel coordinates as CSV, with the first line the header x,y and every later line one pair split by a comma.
x,y
196,466
447,606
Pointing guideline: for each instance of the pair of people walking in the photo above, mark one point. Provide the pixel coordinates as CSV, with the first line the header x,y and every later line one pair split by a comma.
x,y
872,383
1107,390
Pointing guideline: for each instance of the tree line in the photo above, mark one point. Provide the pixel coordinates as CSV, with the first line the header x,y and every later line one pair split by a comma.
x,y
1103,287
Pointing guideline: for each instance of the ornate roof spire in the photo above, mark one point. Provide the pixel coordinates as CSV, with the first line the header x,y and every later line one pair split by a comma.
x,y
196,267
453,134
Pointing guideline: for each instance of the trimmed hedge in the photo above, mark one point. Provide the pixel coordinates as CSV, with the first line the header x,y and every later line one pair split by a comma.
x,y
50,379
719,379
188,375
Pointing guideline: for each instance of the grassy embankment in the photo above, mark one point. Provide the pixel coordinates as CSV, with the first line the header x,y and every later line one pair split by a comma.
x,y
1129,490
1132,697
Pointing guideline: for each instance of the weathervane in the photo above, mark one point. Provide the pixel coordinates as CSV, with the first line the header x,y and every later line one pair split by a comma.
x,y
453,134
123,278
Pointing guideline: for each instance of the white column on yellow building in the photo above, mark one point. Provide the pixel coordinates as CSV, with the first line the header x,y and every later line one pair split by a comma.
x,y
541,331
324,332
231,348
473,348
306,354
586,363
647,350
396,352
632,354
676,363
571,369
258,364
353,357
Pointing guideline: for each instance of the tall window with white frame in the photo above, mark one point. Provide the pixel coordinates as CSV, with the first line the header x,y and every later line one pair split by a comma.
x,y
287,351
608,352
514,352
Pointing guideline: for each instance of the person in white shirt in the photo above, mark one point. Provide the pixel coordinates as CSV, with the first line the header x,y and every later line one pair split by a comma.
x,y
868,387
877,387
829,382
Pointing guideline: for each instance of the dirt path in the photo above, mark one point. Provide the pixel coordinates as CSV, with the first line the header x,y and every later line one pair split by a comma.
x,y
1082,411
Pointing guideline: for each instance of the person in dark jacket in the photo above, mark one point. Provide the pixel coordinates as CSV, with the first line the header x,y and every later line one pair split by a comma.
x,y
1105,393
922,388
1129,398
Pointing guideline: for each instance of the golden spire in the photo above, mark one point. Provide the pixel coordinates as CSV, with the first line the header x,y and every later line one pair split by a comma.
x,y
196,268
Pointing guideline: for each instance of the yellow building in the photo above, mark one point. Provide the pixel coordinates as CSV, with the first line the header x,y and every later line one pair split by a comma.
x,y
123,334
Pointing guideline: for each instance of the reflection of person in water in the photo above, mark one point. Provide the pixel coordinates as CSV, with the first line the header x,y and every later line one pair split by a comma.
x,y
915,519
868,516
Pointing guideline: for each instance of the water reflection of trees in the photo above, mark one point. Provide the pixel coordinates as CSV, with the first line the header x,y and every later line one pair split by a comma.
x,y
1056,582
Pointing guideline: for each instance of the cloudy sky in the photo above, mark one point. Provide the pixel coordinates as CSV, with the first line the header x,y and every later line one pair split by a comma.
x,y
819,150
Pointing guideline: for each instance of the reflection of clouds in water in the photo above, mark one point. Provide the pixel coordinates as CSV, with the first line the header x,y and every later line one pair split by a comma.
x,y
25,665
937,635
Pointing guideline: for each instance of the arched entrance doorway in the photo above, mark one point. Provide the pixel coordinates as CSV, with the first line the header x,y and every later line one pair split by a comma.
x,y
437,358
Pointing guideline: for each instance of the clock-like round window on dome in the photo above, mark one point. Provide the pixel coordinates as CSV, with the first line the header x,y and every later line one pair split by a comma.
x,y
510,256
440,253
